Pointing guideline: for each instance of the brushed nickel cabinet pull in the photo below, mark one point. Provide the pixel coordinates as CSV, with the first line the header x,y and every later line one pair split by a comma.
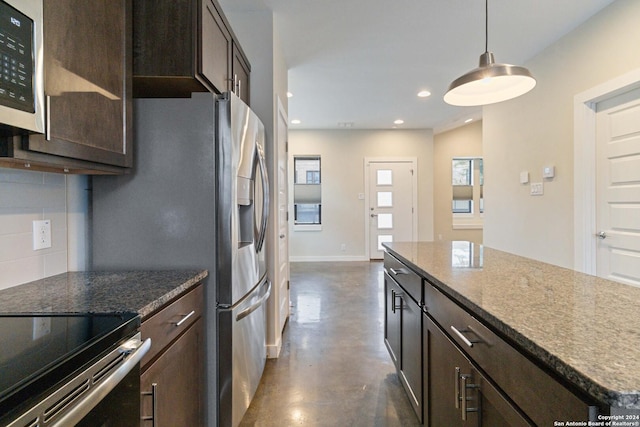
x,y
154,404
184,318
393,301
47,134
466,340
457,387
465,407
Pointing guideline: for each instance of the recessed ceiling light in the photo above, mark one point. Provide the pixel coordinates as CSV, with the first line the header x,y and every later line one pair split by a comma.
x,y
289,94
399,122
295,122
424,93
468,120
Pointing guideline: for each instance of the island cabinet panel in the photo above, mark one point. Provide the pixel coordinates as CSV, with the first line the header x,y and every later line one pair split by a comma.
x,y
459,395
403,330
393,314
87,87
185,46
526,384
172,374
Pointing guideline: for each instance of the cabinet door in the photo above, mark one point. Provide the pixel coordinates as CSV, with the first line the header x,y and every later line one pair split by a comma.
x,y
178,375
495,410
393,311
445,364
458,394
87,57
411,352
215,45
241,73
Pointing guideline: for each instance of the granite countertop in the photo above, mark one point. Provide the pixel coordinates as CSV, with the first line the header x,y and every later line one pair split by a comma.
x,y
584,328
141,292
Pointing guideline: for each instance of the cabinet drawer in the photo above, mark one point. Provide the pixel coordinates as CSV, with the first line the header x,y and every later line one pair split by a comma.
x,y
410,281
525,383
163,326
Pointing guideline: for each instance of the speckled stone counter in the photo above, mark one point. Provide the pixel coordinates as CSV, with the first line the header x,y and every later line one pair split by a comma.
x,y
141,292
584,328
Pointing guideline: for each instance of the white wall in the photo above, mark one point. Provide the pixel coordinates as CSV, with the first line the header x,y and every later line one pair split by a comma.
x,y
536,129
342,155
27,196
464,141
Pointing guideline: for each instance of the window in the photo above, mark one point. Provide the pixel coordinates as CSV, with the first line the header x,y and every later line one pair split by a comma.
x,y
467,179
307,194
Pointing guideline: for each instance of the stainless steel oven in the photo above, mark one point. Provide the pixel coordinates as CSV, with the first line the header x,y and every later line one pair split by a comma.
x,y
70,369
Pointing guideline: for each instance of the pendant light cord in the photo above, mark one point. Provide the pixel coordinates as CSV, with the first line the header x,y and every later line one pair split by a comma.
x,y
486,26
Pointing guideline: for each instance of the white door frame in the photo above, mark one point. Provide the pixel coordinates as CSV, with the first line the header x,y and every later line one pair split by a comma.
x,y
274,328
367,222
584,166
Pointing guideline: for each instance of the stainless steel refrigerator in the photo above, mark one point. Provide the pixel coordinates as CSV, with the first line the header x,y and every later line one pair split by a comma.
x,y
198,198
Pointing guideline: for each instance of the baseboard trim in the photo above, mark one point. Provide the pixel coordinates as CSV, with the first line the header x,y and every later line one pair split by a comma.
x,y
273,350
328,258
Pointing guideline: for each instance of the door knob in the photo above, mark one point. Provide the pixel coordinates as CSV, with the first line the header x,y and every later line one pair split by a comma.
x,y
373,215
282,236
602,235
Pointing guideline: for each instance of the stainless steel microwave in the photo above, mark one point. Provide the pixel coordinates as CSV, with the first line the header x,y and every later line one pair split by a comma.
x,y
21,67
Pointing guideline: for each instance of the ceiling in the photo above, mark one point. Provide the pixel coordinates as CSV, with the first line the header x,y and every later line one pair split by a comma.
x,y
360,63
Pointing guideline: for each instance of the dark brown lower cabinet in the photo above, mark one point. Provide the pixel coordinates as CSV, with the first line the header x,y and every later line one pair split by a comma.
x,y
177,377
459,395
172,374
403,329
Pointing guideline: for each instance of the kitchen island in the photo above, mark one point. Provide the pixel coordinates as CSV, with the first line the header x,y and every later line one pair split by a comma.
x,y
582,330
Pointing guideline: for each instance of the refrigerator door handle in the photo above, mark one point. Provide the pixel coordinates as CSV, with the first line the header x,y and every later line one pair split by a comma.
x,y
247,311
265,201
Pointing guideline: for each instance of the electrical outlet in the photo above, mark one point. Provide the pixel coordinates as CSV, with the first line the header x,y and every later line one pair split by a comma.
x,y
41,234
41,327
343,247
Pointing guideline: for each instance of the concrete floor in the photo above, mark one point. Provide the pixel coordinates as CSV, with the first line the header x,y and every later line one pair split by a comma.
x,y
334,369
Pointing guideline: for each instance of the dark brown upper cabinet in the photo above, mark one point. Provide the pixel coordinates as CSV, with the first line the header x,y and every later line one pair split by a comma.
x,y
185,46
87,82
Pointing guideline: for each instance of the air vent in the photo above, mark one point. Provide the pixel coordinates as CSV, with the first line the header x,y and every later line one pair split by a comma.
x,y
61,404
113,364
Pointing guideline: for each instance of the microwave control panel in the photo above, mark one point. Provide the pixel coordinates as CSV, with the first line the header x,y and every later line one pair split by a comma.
x,y
17,63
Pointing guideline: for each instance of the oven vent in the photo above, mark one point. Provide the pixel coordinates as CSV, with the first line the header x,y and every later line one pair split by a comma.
x,y
52,409
61,404
90,379
109,367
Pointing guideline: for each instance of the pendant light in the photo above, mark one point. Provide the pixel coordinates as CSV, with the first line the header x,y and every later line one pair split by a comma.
x,y
490,82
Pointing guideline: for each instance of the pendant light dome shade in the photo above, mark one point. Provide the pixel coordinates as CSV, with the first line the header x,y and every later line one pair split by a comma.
x,y
489,83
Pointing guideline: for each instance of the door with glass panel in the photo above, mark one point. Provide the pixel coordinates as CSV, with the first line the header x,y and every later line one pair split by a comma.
x,y
392,210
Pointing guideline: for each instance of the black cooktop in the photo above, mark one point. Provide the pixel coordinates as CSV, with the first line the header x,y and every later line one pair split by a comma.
x,y
38,351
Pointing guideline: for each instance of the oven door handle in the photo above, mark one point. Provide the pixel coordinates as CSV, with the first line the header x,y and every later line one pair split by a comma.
x,y
135,354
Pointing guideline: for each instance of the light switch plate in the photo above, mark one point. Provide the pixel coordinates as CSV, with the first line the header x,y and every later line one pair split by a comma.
x,y
41,234
524,177
537,189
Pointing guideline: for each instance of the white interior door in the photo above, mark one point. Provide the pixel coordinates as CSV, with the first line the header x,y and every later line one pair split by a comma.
x,y
618,188
392,209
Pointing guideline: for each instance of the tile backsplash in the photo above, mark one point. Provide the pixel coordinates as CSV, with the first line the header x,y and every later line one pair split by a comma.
x,y
27,196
